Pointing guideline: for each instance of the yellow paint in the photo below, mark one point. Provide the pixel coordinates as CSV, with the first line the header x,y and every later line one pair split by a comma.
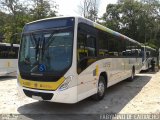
x,y
101,53
90,61
97,70
41,85
82,51
8,64
99,27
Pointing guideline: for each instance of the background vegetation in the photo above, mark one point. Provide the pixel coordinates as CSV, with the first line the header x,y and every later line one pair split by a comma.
x,y
15,13
138,19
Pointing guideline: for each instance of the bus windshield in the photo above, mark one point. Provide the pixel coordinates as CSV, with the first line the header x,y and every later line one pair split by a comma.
x,y
46,51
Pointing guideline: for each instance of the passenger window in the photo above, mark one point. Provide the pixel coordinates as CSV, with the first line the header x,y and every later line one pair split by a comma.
x,y
102,44
113,45
90,46
4,52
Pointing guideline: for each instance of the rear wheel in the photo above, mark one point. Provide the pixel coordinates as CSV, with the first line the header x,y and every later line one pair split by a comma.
x,y
101,89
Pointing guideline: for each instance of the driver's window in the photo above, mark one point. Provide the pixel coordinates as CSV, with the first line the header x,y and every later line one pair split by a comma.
x,y
86,49
82,52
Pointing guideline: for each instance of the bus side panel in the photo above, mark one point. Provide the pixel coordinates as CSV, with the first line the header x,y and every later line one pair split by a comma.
x,y
138,65
12,69
87,82
3,66
117,69
8,67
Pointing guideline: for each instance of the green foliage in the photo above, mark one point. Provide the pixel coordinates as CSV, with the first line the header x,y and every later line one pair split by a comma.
x,y
139,20
42,9
14,14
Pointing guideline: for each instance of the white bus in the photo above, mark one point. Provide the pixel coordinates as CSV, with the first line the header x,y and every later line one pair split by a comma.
x,y
68,59
8,59
148,54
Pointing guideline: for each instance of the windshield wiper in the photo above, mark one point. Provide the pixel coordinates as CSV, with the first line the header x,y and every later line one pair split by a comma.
x,y
49,39
40,48
40,43
37,48
35,67
35,43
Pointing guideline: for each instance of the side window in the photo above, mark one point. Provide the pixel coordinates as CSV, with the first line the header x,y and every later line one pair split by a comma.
x,y
122,47
113,45
91,46
135,51
4,52
139,51
13,52
1,53
86,47
102,44
110,45
10,52
128,48
16,50
147,53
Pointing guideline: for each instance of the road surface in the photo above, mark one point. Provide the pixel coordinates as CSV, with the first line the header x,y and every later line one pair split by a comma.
x,y
142,96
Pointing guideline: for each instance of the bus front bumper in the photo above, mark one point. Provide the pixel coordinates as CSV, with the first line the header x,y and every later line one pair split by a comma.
x,y
66,96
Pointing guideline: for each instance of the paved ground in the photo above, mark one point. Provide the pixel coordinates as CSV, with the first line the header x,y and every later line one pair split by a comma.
x,y
142,96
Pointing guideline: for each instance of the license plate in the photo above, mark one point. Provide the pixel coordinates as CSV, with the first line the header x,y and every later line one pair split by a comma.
x,y
37,97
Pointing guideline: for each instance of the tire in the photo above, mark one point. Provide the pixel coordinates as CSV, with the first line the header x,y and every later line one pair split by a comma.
x,y
130,79
101,89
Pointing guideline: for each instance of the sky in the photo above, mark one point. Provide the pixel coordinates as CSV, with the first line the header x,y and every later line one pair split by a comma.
x,y
70,7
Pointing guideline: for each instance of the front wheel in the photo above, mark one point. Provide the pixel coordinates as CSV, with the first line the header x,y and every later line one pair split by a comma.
x,y
101,89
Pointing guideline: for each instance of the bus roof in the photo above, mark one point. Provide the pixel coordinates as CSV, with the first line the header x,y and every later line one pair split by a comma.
x,y
94,24
53,18
100,27
149,47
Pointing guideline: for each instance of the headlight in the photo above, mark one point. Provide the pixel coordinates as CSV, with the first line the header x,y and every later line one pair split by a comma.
x,y
65,85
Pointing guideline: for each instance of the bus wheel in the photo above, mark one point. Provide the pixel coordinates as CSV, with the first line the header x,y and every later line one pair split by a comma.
x,y
132,75
101,89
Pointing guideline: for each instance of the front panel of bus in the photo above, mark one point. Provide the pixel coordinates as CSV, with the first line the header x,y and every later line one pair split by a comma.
x,y
45,60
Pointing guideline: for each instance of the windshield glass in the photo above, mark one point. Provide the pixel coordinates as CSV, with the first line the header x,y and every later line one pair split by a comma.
x,y
46,51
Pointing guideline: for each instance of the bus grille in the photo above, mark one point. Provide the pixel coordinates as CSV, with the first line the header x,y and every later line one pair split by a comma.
x,y
44,96
40,78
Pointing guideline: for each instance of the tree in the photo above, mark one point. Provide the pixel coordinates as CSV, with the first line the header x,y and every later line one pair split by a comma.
x,y
111,18
14,15
14,12
42,9
89,9
136,19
